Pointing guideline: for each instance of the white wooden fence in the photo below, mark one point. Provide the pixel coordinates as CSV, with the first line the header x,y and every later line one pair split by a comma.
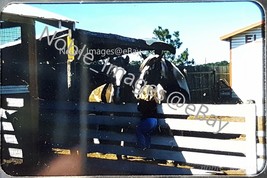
x,y
10,145
247,128
192,142
13,97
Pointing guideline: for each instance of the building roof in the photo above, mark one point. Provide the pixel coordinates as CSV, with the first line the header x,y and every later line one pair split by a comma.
x,y
15,13
234,33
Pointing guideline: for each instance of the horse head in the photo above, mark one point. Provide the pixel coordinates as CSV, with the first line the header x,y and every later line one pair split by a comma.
x,y
164,77
114,69
117,72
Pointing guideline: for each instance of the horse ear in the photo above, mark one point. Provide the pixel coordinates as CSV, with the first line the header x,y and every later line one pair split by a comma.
x,y
143,55
126,60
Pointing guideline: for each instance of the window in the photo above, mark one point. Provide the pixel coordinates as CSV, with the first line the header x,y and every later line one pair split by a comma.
x,y
250,38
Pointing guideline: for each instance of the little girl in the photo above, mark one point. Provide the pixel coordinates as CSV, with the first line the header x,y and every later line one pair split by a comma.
x,y
147,105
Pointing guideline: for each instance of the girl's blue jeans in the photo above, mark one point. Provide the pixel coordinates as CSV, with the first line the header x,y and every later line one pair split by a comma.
x,y
144,130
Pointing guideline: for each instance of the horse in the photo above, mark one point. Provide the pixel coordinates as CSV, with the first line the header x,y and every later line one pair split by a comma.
x,y
113,91
166,78
162,76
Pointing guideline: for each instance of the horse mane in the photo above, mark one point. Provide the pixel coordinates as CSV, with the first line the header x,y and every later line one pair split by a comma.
x,y
150,60
168,71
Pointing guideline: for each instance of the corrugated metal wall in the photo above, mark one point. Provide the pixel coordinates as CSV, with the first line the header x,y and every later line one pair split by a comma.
x,y
240,39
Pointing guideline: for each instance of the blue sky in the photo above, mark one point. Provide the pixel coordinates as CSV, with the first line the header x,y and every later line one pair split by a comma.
x,y
200,24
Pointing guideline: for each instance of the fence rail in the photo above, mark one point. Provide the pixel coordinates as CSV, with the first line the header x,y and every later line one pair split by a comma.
x,y
114,127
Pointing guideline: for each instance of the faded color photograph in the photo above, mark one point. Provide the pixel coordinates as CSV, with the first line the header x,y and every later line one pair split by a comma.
x,y
132,89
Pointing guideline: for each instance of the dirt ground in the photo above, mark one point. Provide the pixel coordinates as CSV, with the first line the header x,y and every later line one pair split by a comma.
x,y
64,162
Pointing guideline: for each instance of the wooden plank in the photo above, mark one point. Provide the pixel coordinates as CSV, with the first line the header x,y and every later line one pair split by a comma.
x,y
239,110
15,102
14,89
9,111
183,156
185,109
234,146
15,18
113,120
173,124
15,152
90,107
8,25
7,126
202,126
10,138
202,143
72,118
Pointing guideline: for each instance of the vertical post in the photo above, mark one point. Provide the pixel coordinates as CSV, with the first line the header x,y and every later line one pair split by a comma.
x,y
251,148
71,54
30,50
214,88
83,117
231,65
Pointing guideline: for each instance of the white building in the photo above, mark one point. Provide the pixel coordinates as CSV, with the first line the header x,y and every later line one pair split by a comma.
x,y
247,74
246,63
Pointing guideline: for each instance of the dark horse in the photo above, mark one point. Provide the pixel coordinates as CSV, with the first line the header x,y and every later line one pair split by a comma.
x,y
166,78
113,91
162,75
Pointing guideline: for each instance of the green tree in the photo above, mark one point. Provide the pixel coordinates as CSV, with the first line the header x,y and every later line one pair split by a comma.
x,y
220,63
173,39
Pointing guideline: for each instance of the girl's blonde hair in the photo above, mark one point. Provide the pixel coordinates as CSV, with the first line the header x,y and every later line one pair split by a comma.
x,y
147,93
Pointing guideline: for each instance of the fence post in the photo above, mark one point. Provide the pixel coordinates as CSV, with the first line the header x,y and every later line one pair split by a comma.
x,y
30,51
214,88
251,147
